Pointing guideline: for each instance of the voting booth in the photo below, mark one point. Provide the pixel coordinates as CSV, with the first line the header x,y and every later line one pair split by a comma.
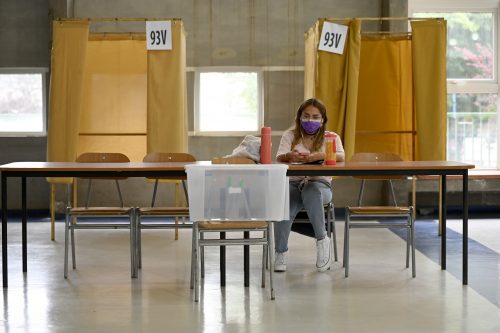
x,y
117,91
383,81
117,85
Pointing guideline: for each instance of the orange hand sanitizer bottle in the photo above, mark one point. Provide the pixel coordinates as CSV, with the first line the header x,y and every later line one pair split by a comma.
x,y
330,148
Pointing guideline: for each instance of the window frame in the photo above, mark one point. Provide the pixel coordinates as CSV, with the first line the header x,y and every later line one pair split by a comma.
x,y
30,70
470,86
233,69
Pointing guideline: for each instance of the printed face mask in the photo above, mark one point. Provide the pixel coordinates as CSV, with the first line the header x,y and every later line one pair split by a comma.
x,y
310,126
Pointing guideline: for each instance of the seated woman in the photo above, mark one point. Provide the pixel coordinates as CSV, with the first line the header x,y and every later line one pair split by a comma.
x,y
304,143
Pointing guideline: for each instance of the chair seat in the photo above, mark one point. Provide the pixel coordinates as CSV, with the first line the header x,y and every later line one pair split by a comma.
x,y
232,225
100,210
369,210
158,211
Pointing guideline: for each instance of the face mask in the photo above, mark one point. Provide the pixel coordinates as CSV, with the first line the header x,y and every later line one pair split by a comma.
x,y
310,126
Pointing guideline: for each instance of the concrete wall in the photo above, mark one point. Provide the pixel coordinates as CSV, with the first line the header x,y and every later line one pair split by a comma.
x,y
25,42
219,33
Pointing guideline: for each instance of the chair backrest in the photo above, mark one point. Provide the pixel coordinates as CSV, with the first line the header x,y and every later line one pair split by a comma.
x,y
376,157
168,157
103,158
232,160
159,157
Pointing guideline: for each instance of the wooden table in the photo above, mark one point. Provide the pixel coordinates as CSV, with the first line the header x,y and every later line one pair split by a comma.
x,y
24,170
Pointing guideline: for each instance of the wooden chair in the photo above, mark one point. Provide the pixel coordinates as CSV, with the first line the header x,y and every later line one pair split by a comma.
x,y
199,241
73,213
367,212
163,211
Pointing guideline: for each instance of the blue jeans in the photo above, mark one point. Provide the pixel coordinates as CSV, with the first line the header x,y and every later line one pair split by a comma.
x,y
313,196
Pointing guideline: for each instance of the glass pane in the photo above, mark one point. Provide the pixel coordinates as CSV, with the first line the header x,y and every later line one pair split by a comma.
x,y
470,44
472,129
229,102
21,103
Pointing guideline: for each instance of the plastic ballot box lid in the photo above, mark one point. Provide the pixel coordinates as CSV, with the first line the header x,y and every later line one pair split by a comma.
x,y
242,192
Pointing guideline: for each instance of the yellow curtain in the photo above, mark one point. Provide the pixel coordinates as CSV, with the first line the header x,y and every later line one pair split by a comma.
x,y
166,96
429,77
335,81
385,102
114,96
311,42
69,49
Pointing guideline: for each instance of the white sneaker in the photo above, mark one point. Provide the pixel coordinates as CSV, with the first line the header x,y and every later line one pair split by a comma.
x,y
324,254
279,262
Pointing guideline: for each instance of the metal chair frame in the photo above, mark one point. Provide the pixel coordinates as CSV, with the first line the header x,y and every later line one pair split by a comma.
x,y
72,213
161,211
199,243
379,212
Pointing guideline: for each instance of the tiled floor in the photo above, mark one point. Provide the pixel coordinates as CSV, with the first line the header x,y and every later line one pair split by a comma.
x,y
378,296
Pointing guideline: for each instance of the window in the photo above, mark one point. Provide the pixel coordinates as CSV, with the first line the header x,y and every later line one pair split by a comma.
x,y
472,74
22,102
228,102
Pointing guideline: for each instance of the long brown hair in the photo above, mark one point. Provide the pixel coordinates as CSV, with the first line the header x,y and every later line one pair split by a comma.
x,y
298,131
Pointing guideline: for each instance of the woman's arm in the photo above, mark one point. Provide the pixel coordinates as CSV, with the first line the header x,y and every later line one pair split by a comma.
x,y
282,158
284,154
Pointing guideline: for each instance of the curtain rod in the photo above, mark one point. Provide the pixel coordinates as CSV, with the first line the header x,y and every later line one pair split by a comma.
x,y
131,19
386,34
384,18
115,19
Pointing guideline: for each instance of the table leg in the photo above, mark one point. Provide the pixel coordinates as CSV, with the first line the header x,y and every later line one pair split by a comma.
x,y
4,232
222,262
465,226
246,260
443,222
440,209
24,220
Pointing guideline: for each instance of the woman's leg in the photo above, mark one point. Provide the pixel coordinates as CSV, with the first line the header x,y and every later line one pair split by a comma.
x,y
314,196
282,229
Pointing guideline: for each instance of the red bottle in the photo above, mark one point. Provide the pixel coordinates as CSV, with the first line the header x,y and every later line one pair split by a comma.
x,y
265,145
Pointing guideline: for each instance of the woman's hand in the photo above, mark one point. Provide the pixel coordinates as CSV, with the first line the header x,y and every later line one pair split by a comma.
x,y
318,156
297,157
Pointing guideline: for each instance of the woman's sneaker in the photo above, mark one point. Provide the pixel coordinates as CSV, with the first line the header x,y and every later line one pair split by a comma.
x,y
279,262
324,254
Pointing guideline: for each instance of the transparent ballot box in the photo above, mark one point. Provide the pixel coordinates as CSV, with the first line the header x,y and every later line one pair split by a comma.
x,y
238,192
